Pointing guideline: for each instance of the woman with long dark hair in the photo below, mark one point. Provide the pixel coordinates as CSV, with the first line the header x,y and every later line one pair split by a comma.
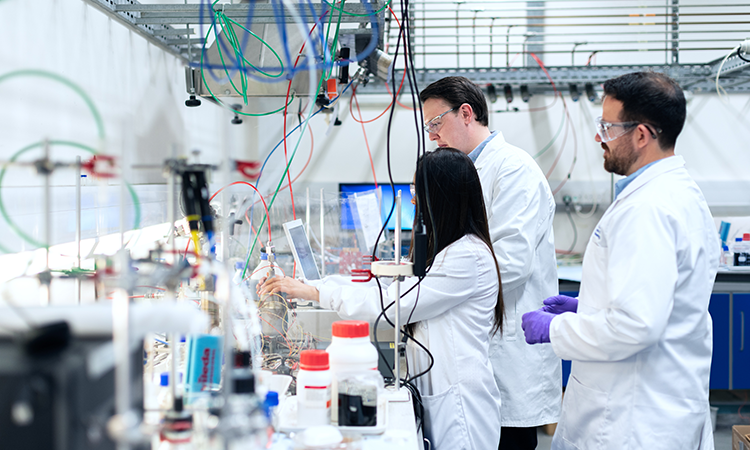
x,y
453,314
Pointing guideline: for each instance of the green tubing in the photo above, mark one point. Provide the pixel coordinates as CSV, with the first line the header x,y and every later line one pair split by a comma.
x,y
203,77
227,25
549,145
60,79
16,228
283,175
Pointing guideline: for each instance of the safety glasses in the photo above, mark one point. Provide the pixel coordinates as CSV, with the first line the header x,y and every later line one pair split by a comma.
x,y
609,131
433,126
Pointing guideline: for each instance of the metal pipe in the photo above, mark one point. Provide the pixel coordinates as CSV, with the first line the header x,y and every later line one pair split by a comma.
x,y
598,24
307,212
121,344
623,33
584,8
602,16
322,235
628,50
474,37
78,225
47,293
638,41
397,297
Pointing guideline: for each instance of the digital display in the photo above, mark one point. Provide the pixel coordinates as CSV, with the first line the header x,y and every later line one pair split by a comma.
x,y
304,252
407,209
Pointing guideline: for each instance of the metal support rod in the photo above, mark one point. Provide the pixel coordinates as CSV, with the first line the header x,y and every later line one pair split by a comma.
x,y
174,340
675,32
397,297
322,235
174,353
534,25
78,226
307,212
47,222
223,288
121,344
474,36
458,46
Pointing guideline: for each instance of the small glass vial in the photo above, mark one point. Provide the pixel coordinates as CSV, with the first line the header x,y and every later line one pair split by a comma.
x,y
313,389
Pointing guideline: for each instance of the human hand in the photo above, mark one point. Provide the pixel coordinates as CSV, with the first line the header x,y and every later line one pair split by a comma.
x,y
290,286
559,304
535,325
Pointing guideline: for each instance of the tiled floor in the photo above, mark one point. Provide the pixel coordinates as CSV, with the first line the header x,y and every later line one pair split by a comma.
x,y
722,439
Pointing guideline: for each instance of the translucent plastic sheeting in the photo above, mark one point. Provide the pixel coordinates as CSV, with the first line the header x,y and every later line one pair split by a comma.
x,y
348,230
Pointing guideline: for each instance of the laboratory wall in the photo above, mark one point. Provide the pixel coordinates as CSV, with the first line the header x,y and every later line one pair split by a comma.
x,y
137,113
75,82
713,144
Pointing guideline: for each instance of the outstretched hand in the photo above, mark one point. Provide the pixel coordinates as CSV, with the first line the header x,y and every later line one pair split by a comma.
x,y
287,285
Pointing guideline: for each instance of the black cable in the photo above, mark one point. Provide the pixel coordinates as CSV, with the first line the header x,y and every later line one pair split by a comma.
x,y
739,55
408,335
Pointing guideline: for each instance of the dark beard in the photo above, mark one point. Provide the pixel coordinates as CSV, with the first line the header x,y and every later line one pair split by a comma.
x,y
619,164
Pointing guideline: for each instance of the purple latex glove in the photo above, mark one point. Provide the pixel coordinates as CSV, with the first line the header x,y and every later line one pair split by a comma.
x,y
535,326
559,304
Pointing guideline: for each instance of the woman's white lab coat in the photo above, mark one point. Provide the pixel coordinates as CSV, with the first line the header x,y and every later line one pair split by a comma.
x,y
454,313
520,210
641,340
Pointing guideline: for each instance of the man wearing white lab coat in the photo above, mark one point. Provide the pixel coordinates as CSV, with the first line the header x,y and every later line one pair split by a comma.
x,y
520,209
639,334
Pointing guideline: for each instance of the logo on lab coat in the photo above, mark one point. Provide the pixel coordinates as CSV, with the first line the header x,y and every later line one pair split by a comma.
x,y
597,236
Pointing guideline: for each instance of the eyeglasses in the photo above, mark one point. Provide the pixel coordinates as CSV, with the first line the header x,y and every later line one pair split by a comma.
x,y
412,190
433,126
607,133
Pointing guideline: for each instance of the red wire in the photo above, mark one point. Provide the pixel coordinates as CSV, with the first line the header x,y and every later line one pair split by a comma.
x,y
286,159
389,91
387,87
570,123
268,216
369,154
186,248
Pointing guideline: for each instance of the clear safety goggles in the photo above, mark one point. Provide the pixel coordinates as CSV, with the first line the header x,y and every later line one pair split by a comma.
x,y
433,126
609,131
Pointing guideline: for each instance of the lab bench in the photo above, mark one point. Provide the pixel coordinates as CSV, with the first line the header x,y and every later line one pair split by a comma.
x,y
730,310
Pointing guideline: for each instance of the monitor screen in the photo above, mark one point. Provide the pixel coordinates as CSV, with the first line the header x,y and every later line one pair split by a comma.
x,y
407,209
301,250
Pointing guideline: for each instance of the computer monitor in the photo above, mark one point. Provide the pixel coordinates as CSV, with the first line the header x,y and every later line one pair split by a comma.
x,y
303,255
348,190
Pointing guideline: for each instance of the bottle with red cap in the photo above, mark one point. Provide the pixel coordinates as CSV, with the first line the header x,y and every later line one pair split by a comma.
x,y
356,380
741,250
313,389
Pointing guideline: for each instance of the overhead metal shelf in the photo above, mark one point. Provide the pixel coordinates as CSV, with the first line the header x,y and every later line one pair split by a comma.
x,y
483,38
697,78
168,26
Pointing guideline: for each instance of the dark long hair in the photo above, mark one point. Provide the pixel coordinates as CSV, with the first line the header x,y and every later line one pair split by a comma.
x,y
448,182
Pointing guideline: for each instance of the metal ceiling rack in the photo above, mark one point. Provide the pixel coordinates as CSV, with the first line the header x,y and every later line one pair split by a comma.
x,y
490,42
171,27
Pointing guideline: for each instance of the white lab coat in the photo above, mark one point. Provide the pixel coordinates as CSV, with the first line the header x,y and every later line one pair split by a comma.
x,y
455,315
641,340
520,209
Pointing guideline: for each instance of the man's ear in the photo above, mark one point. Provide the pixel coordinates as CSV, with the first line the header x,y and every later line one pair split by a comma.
x,y
466,112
